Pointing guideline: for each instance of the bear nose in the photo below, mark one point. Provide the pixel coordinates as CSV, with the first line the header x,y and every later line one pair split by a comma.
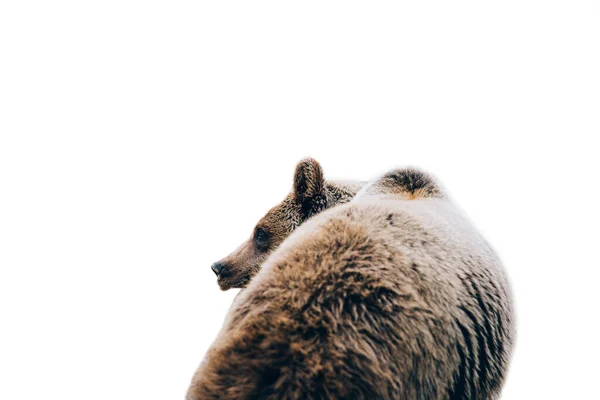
x,y
217,268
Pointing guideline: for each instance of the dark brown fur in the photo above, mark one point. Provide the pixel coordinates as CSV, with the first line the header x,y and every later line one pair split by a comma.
x,y
381,298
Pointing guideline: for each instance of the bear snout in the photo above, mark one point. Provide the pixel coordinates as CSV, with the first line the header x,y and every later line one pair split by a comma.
x,y
217,268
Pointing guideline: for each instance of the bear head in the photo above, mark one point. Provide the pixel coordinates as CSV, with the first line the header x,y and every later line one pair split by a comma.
x,y
310,195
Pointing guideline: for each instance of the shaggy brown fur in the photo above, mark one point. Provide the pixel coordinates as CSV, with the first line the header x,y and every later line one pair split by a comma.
x,y
381,298
311,194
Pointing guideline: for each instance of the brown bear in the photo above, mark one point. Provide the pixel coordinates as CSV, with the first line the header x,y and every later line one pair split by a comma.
x,y
393,295
310,195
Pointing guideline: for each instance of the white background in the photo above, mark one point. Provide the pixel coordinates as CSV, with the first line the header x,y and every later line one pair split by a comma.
x,y
141,140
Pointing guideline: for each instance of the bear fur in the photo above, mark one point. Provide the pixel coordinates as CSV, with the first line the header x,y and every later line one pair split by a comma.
x,y
393,295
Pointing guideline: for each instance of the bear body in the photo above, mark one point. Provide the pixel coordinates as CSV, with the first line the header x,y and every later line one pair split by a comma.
x,y
391,296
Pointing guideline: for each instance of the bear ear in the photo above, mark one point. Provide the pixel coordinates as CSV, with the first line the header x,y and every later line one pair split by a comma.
x,y
308,180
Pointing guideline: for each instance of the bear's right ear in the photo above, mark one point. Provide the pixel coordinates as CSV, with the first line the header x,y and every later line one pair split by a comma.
x,y
308,180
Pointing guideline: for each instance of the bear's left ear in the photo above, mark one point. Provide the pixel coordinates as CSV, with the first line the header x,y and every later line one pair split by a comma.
x,y
308,180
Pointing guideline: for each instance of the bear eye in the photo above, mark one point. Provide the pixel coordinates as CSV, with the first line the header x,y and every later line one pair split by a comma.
x,y
261,238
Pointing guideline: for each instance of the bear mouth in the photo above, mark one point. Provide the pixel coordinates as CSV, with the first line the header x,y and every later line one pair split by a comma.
x,y
227,282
